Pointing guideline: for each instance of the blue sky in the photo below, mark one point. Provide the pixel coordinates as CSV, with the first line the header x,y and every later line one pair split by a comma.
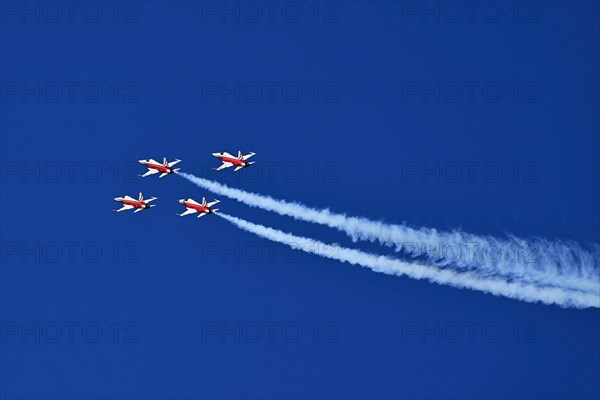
x,y
345,105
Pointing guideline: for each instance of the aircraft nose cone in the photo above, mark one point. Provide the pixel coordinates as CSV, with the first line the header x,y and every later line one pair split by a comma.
x,y
181,201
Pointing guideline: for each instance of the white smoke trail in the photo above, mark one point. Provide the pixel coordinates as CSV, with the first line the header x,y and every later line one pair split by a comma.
x,y
387,265
551,263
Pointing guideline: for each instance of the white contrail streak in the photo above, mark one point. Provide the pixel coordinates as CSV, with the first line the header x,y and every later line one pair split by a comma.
x,y
550,263
387,265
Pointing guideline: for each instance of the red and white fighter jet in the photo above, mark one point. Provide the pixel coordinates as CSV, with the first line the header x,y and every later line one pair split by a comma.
x,y
200,208
154,167
130,203
230,160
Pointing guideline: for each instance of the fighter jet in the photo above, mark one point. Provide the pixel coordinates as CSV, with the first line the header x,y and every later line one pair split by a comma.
x,y
131,203
154,167
195,207
230,160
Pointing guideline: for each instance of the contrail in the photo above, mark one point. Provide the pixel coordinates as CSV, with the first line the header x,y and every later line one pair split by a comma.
x,y
550,263
387,265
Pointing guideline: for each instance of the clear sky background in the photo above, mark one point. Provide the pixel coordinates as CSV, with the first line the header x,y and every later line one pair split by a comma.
x,y
345,104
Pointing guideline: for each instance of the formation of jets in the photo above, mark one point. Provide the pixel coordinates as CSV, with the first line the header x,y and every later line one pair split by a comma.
x,y
165,168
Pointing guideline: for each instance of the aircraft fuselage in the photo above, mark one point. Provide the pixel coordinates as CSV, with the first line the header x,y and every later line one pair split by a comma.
x,y
198,207
160,168
235,161
133,203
